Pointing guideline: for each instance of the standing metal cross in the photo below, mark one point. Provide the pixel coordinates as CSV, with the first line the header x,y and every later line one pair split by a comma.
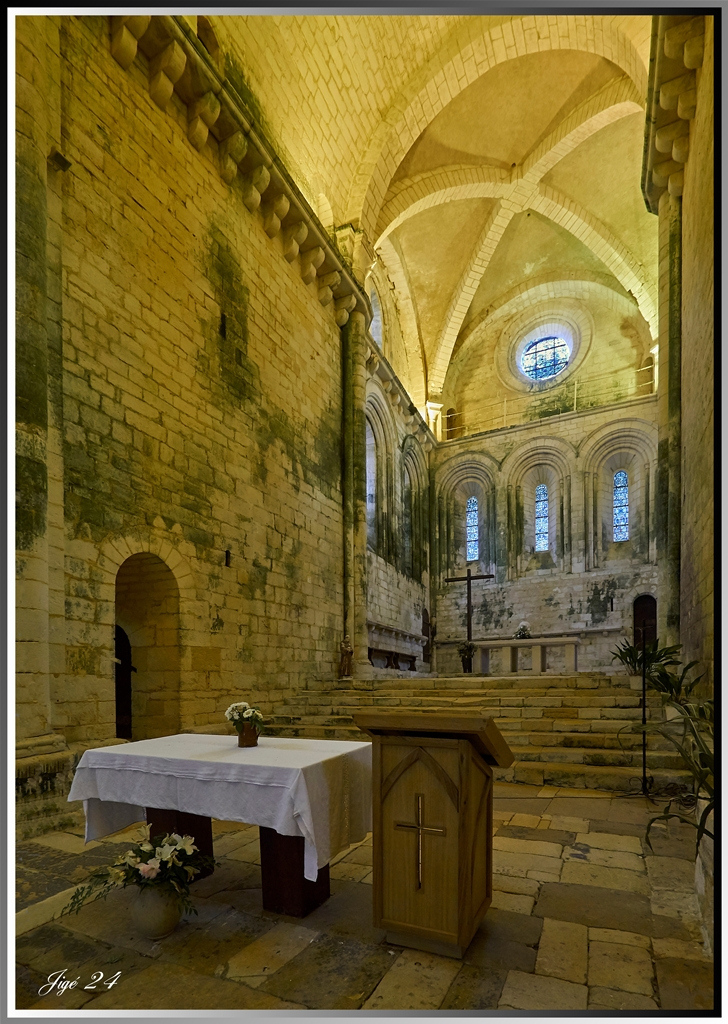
x,y
468,578
419,828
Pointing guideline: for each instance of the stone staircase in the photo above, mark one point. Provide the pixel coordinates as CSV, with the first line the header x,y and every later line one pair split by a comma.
x,y
567,730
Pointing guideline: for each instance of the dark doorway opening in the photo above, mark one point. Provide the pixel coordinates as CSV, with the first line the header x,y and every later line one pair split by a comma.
x,y
644,617
427,649
122,675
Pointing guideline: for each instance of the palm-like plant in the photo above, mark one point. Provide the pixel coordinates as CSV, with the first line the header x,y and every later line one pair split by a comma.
x,y
632,656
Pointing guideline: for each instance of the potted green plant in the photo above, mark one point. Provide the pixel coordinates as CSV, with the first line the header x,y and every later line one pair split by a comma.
x,y
631,656
673,688
161,869
247,721
466,650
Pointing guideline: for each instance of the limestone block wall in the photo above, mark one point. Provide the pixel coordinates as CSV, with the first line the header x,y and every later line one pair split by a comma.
x,y
585,583
201,408
697,379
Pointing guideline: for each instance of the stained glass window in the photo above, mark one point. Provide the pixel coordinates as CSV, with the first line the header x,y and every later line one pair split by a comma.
x,y
471,526
542,518
621,506
545,358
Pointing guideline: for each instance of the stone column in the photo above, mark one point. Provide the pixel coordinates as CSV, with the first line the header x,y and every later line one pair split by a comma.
x,y
667,506
354,489
40,166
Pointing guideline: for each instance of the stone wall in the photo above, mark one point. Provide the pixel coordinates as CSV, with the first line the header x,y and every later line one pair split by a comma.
x,y
201,403
585,583
697,384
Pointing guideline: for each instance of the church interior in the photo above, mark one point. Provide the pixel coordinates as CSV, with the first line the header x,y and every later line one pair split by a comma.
x,y
365,362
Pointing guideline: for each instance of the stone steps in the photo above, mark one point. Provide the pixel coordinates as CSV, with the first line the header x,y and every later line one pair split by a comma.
x,y
564,730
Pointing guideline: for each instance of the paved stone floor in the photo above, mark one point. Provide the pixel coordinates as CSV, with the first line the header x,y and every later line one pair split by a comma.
x,y
584,917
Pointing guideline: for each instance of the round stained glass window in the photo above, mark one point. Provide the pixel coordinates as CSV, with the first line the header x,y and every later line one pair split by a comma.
x,y
545,358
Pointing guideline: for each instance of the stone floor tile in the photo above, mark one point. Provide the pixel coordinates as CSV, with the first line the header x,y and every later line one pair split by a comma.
x,y
510,883
167,986
537,835
42,912
501,817
635,811
52,948
536,992
685,985
548,791
671,873
678,949
526,820
505,940
220,828
679,904
609,999
227,842
206,947
562,823
345,869
346,914
610,841
607,878
65,841
248,852
29,982
264,956
605,858
543,876
519,904
541,849
625,968
507,863
593,906
576,807
415,981
624,938
230,874
521,804
474,989
331,974
360,855
368,879
562,951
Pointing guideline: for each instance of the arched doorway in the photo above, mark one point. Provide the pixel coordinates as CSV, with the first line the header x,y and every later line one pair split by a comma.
x,y
122,679
644,617
147,614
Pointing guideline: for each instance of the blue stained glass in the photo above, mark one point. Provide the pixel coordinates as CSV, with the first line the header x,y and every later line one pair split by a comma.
x,y
545,358
471,529
620,506
542,518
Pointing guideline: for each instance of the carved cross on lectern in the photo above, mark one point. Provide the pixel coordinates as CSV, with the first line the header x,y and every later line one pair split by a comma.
x,y
467,579
420,828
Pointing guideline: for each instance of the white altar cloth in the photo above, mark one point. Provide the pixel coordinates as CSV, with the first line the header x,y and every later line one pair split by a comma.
x,y
318,789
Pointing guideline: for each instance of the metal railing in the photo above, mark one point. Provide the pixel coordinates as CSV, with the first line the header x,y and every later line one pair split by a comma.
x,y
577,395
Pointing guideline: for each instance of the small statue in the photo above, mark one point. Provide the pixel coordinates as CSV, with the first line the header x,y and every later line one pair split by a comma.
x,y
347,654
523,632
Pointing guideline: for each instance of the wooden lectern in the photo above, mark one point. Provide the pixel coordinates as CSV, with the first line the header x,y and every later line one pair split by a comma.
x,y
433,824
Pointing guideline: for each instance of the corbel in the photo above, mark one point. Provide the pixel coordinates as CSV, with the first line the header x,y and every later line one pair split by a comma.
x,y
164,70
201,116
342,307
232,151
326,284
126,31
274,212
254,185
311,260
293,237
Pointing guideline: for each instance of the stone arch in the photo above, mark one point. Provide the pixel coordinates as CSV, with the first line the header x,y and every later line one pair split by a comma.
x,y
468,475
632,446
380,447
415,507
147,607
471,54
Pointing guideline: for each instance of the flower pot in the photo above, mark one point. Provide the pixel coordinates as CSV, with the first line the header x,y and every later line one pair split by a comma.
x,y
248,736
635,682
155,913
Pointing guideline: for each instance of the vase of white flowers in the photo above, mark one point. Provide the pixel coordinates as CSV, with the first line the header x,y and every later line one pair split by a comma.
x,y
162,869
247,722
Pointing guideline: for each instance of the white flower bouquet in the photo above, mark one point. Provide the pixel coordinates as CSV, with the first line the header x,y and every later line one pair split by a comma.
x,y
241,714
167,863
